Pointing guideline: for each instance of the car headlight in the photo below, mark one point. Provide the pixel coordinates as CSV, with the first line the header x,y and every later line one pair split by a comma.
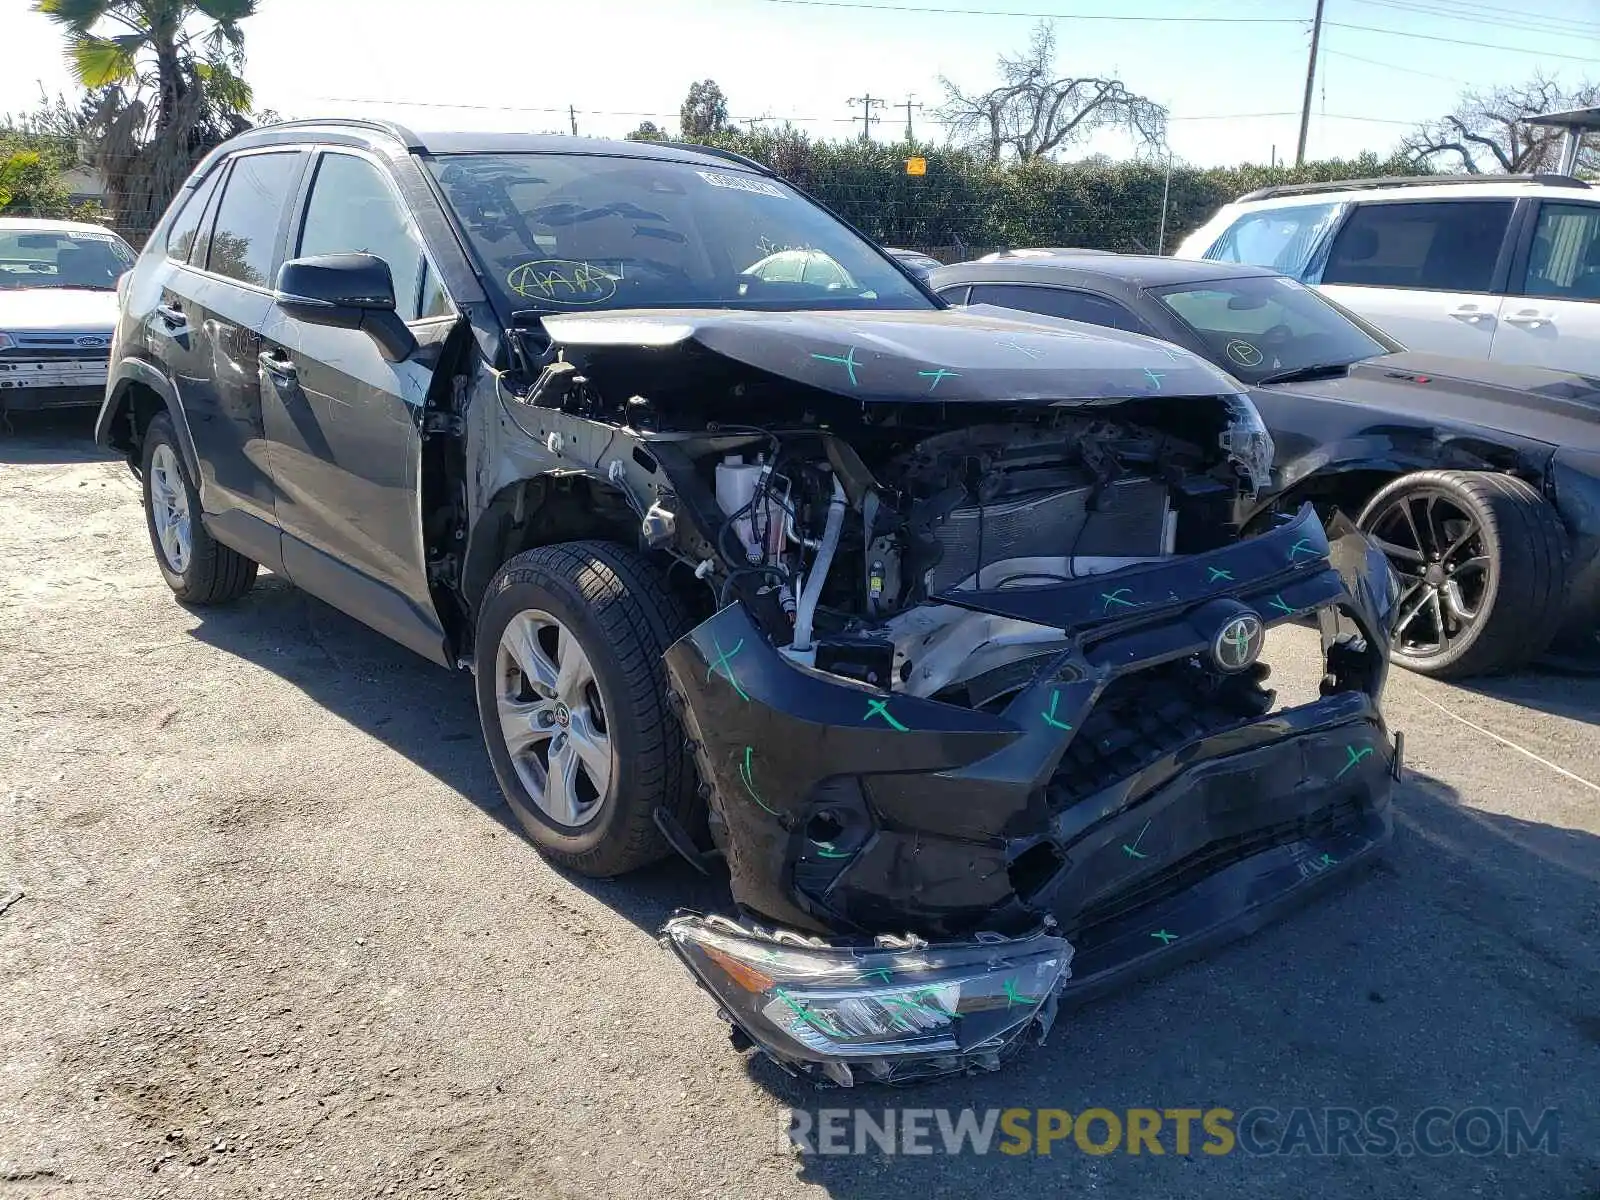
x,y
7,341
892,1011
1248,443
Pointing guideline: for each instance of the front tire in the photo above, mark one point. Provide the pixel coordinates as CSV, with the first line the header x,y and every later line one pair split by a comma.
x,y
1481,557
198,568
572,699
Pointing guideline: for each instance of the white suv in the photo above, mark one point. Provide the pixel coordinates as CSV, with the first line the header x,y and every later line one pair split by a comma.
x,y
1503,268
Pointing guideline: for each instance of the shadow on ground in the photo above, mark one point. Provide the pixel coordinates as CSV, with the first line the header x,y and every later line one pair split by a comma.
x,y
421,711
64,436
1461,971
1464,970
1572,695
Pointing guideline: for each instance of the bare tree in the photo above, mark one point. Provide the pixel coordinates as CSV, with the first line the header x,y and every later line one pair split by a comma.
x,y
1035,112
1488,131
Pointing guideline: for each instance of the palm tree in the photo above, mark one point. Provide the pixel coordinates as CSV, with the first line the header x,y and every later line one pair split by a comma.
x,y
166,78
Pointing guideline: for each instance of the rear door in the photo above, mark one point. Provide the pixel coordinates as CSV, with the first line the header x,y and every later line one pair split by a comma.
x,y
1426,272
1550,316
345,423
220,311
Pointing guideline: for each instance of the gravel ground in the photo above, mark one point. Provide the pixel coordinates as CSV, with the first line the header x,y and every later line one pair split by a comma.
x,y
277,936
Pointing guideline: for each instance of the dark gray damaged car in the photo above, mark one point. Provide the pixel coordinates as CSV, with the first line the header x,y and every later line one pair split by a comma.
x,y
938,632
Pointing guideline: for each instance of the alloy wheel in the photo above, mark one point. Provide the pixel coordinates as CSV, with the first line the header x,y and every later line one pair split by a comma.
x,y
169,509
1440,553
552,718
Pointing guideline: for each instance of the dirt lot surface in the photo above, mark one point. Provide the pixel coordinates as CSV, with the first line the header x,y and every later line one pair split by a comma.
x,y
276,937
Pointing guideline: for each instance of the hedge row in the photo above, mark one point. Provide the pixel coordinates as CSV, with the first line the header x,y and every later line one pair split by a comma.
x,y
965,203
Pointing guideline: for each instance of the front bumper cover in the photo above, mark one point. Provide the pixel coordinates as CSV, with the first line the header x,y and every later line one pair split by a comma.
x,y
1098,803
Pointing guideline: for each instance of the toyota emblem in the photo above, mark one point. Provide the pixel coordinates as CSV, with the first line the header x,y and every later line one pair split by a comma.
x,y
1238,643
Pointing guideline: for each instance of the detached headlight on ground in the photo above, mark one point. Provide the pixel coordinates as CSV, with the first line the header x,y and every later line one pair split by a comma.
x,y
892,1011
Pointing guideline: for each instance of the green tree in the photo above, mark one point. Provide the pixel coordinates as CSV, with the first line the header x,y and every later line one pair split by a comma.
x,y
648,131
166,76
704,112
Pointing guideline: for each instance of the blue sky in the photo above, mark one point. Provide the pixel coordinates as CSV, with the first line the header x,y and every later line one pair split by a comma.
x,y
505,64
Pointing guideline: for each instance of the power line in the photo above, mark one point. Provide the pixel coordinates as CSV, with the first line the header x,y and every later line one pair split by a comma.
x,y
1433,37
1372,62
1049,16
1532,22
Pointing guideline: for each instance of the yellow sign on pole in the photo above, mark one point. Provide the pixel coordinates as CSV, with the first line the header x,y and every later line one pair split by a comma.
x,y
916,166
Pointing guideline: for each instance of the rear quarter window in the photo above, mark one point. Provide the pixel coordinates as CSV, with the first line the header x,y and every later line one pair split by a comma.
x,y
1438,245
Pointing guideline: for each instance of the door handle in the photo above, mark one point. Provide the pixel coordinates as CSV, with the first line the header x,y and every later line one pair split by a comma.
x,y
171,315
1470,313
280,368
1531,318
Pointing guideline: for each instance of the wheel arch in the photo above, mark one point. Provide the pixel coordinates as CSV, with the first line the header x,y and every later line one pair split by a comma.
x,y
541,510
140,393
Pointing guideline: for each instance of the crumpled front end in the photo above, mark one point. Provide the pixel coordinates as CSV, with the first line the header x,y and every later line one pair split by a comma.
x,y
1136,798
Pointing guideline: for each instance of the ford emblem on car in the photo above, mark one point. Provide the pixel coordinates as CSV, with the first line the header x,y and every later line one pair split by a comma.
x,y
1238,643
93,341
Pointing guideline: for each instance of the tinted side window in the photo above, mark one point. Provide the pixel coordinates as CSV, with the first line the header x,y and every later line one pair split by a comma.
x,y
181,235
246,233
1444,245
1564,263
955,295
1058,302
354,210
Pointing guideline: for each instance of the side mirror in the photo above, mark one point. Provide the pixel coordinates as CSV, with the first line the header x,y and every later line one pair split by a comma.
x,y
346,291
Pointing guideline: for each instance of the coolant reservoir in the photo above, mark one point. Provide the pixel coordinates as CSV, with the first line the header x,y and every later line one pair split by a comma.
x,y
736,487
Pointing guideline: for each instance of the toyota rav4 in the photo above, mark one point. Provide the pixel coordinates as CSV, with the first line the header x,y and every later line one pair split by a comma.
x,y
937,627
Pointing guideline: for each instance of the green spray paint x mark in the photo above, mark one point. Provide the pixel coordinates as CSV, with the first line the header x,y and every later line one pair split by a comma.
x,y
884,975
1355,757
809,1017
1165,938
723,664
1155,377
830,852
1014,997
1303,546
847,361
938,376
1218,573
1328,860
746,778
1133,850
1277,603
1050,717
1117,597
880,708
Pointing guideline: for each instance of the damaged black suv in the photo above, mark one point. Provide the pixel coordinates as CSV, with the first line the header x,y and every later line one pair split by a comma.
x,y
939,628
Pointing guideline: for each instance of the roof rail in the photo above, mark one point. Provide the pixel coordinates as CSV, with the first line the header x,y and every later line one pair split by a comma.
x,y
1352,185
718,152
392,128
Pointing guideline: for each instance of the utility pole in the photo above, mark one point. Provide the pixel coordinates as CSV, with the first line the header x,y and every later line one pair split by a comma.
x,y
572,115
868,103
1311,76
908,106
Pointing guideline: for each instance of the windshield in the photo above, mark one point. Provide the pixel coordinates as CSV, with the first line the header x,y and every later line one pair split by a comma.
x,y
1281,238
582,232
1266,325
62,258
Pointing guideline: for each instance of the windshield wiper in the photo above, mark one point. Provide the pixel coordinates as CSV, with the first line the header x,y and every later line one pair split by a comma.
x,y
1304,374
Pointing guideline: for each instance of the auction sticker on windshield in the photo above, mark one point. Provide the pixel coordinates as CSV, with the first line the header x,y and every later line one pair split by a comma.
x,y
741,183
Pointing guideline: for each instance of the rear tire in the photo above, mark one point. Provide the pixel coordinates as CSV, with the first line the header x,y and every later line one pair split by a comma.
x,y
568,667
198,568
1481,556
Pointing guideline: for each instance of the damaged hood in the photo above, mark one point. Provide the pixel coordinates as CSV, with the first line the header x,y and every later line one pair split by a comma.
x,y
938,355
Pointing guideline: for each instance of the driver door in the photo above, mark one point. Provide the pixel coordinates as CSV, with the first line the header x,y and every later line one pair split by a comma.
x,y
344,423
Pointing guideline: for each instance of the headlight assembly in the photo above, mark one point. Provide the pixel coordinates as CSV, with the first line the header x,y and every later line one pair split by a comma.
x,y
890,1011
